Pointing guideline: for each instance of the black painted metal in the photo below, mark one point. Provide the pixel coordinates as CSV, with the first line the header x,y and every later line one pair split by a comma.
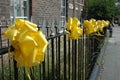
x,y
40,72
52,62
9,70
44,71
65,53
2,67
58,59
74,60
15,70
64,58
69,62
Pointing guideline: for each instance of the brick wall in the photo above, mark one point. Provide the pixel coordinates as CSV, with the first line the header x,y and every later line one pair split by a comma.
x,y
5,8
75,7
51,9
48,9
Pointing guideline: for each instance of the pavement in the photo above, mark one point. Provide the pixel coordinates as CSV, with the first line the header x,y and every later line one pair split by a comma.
x,y
111,62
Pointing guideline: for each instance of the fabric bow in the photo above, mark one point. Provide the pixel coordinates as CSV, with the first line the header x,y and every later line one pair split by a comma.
x,y
94,26
73,29
29,43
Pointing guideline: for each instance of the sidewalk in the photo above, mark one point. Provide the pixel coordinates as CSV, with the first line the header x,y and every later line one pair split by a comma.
x,y
111,66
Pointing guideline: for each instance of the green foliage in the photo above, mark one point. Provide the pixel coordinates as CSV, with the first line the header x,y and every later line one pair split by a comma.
x,y
117,10
100,9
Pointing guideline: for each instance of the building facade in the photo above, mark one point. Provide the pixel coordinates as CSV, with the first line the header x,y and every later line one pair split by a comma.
x,y
4,9
37,10
56,9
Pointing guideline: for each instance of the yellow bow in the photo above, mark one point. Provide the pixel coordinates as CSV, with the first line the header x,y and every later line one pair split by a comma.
x,y
29,43
94,26
73,29
90,27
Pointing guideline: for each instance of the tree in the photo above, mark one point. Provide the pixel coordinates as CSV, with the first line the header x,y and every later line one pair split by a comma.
x,y
100,9
117,8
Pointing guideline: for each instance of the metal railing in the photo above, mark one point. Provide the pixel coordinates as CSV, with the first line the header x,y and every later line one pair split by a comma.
x,y
64,59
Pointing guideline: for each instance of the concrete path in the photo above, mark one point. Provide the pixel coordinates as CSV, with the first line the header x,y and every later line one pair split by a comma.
x,y
111,66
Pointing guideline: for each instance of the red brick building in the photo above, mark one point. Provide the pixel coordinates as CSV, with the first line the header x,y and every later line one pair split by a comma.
x,y
37,10
4,8
56,9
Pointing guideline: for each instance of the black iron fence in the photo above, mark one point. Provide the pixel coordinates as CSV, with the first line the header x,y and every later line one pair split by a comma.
x,y
64,59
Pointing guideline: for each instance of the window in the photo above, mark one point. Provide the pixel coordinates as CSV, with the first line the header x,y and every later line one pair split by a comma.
x,y
63,12
19,9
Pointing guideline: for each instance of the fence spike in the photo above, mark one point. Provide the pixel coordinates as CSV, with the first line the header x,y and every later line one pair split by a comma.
x,y
60,28
53,27
44,27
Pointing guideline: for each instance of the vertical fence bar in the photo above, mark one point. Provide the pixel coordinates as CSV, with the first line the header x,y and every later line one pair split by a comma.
x,y
52,44
48,29
2,68
43,64
56,53
40,71
92,52
58,59
9,64
69,70
74,60
56,49
84,57
0,36
15,71
48,62
79,59
9,56
65,57
2,76
43,69
32,73
82,61
24,74
89,57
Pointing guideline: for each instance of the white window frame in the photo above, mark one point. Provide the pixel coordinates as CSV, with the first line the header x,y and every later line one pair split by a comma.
x,y
17,7
63,13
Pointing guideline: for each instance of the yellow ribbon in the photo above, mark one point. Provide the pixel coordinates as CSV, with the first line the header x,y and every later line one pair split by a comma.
x,y
29,43
94,26
89,27
73,29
